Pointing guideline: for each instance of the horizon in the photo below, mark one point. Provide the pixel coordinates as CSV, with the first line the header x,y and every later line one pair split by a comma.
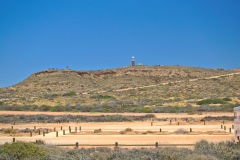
x,y
87,35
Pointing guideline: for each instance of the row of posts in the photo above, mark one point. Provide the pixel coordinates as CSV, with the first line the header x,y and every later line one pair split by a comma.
x,y
47,131
178,123
225,128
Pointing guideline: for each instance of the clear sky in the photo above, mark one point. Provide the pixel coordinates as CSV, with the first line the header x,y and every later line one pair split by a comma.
x,y
99,34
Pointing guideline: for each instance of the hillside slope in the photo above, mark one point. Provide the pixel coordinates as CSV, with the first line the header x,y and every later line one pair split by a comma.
x,y
143,86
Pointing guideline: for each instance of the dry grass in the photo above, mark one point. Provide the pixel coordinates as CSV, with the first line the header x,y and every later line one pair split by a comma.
x,y
52,87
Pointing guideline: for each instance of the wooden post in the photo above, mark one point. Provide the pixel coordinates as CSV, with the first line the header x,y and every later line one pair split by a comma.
x,y
232,126
116,144
56,133
223,122
69,129
170,121
30,133
76,144
63,132
204,122
178,123
151,123
54,129
61,127
75,129
221,126
43,133
47,130
80,128
12,127
230,130
190,129
39,132
225,128
13,140
34,127
156,144
160,130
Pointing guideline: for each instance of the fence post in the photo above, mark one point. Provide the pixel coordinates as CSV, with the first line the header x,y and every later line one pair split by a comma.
x,y
190,129
80,128
12,127
61,127
204,122
156,144
151,123
76,144
34,127
221,126
230,130
54,129
178,123
43,133
56,133
225,128
75,129
39,132
69,129
170,121
30,133
232,126
63,132
116,144
47,131
160,130
13,140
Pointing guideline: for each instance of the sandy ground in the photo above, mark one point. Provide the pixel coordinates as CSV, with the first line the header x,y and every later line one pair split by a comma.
x,y
110,131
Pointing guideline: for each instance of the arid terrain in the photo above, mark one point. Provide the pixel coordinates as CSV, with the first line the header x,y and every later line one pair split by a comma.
x,y
164,128
141,86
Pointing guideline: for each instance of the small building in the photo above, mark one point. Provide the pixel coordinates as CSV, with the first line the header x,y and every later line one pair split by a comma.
x,y
237,123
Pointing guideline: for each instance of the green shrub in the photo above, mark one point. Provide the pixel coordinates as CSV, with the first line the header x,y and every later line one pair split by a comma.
x,y
227,99
210,101
22,150
103,97
1,103
71,93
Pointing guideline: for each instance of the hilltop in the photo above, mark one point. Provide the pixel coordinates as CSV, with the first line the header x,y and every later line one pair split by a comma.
x,y
147,86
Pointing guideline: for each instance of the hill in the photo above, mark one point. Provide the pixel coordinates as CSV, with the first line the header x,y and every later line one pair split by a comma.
x,y
147,86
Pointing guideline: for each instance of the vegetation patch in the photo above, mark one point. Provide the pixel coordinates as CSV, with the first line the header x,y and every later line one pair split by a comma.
x,y
21,151
202,151
102,97
42,118
71,93
213,101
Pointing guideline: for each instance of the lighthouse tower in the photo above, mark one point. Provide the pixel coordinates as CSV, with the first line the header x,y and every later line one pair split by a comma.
x,y
133,61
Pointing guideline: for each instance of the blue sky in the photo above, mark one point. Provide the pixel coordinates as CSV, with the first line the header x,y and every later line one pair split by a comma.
x,y
90,34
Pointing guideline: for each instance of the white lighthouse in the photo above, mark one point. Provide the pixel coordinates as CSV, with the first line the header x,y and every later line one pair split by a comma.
x,y
133,61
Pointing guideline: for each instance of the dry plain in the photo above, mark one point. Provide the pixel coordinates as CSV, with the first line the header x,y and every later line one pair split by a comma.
x,y
137,133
